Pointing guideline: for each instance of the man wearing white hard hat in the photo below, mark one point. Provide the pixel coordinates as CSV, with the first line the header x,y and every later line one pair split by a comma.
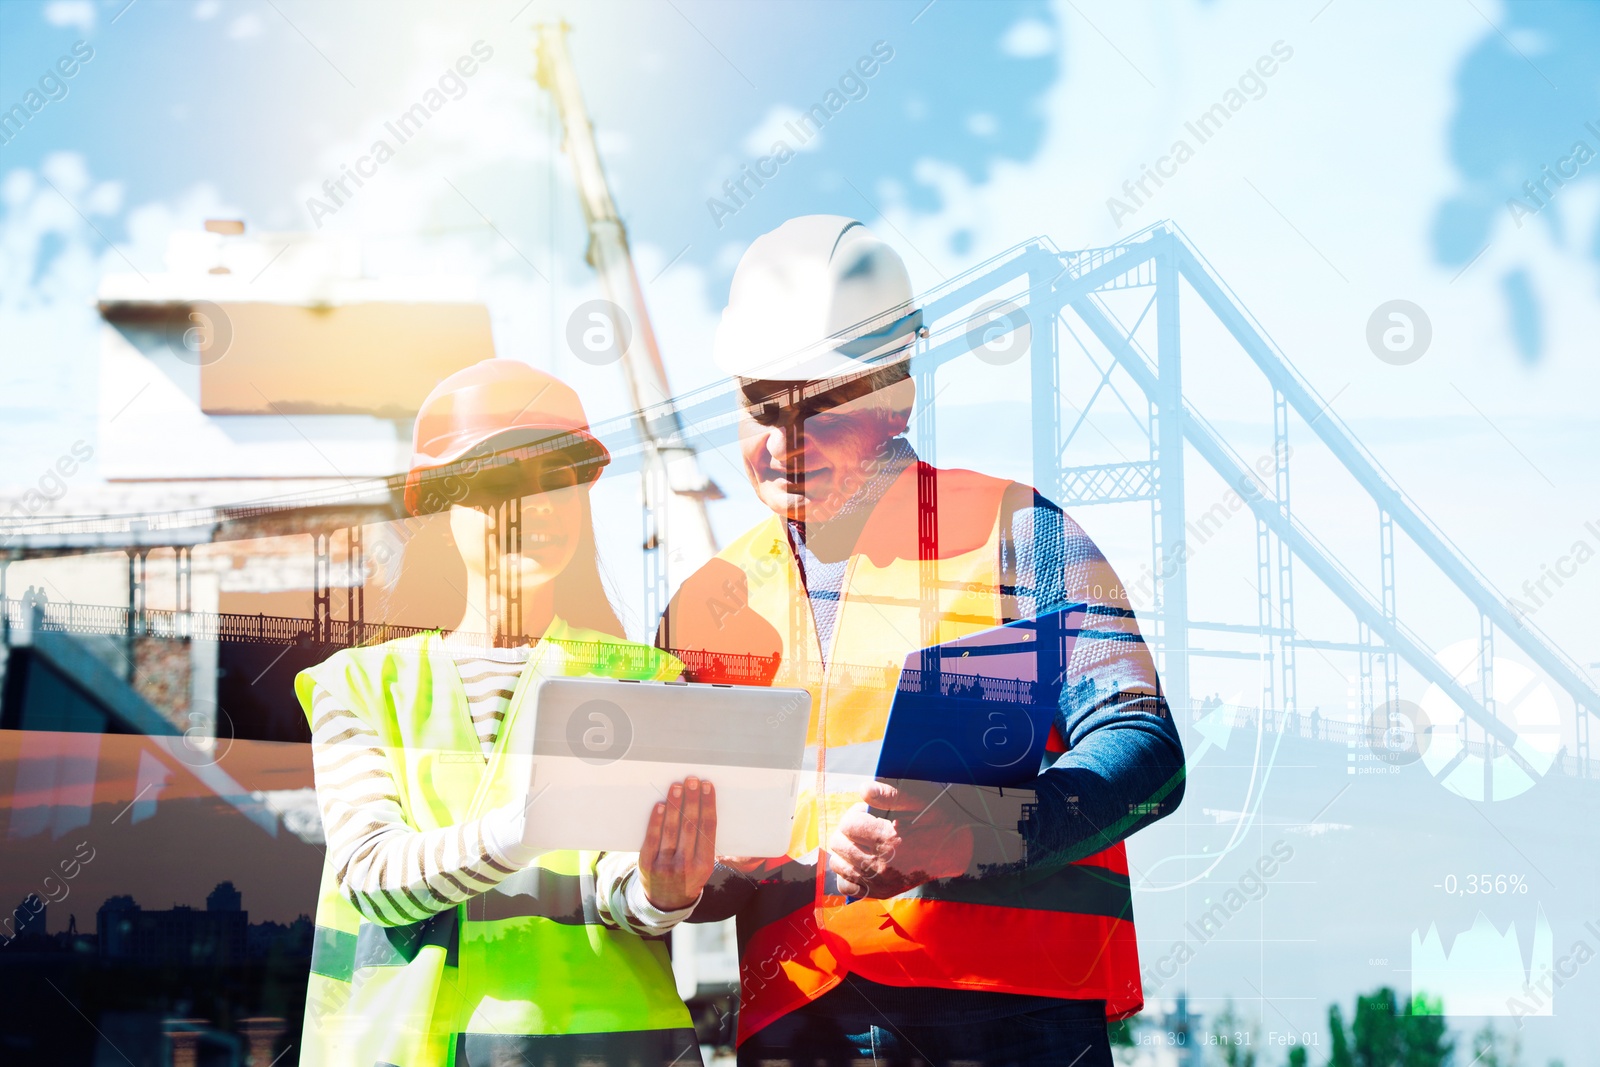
x,y
901,924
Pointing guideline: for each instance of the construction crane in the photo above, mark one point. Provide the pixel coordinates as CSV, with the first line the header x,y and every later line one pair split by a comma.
x,y
676,490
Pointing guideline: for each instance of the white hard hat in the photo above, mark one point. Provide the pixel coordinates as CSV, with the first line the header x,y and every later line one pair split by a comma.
x,y
819,297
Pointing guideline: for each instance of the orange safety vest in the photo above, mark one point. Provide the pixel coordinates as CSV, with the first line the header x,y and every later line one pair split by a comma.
x,y
1061,931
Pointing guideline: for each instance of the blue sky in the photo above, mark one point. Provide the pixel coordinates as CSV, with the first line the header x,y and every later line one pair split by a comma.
x,y
241,105
234,108
1369,166
252,91
1375,164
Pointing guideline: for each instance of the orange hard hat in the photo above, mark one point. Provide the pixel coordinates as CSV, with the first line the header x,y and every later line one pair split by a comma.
x,y
490,431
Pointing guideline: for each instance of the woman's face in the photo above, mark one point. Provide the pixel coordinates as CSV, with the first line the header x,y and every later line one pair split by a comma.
x,y
552,523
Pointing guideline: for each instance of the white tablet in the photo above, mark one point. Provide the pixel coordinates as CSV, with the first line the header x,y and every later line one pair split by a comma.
x,y
603,751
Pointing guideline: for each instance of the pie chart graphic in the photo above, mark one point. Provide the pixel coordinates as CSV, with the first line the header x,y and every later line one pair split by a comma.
x,y
1463,756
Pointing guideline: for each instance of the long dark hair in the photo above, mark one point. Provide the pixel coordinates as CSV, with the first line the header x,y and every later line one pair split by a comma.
x,y
428,587
581,598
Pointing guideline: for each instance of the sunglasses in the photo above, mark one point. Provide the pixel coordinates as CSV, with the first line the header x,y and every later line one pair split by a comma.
x,y
776,403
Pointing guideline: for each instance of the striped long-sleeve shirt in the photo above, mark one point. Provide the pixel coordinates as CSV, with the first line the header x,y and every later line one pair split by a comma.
x,y
393,873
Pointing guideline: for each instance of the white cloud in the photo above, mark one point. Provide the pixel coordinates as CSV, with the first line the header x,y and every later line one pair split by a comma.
x,y
79,13
104,199
51,261
67,170
775,126
1529,42
206,10
1028,39
245,26
982,124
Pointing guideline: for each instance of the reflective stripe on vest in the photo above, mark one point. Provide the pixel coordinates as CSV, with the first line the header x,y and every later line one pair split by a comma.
x,y
1063,932
525,969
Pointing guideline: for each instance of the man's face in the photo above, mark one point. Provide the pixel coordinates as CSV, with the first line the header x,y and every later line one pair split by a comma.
x,y
807,457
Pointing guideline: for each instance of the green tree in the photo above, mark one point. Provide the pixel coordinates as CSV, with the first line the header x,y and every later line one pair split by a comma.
x,y
1427,1039
1339,1056
1378,1031
1297,1056
1233,1036
1490,1048
1383,1034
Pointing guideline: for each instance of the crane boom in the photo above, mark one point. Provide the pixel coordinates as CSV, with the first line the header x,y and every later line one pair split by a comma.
x,y
675,488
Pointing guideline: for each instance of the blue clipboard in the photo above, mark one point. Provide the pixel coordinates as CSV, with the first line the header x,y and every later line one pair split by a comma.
x,y
978,710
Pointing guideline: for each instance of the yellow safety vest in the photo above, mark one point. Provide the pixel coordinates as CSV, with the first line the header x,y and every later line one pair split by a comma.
x,y
523,973
924,570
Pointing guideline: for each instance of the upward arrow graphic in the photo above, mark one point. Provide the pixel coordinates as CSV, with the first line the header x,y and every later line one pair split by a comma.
x,y
1215,727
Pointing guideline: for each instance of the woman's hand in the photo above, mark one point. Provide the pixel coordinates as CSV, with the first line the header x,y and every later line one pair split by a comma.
x,y
679,851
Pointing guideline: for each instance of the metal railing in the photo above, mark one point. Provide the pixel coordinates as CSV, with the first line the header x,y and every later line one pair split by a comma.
x,y
114,621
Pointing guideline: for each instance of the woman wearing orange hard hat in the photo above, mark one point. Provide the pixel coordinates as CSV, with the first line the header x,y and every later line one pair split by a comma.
x,y
441,937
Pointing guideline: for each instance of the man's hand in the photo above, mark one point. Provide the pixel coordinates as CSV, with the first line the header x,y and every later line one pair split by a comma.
x,y
679,851
918,842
